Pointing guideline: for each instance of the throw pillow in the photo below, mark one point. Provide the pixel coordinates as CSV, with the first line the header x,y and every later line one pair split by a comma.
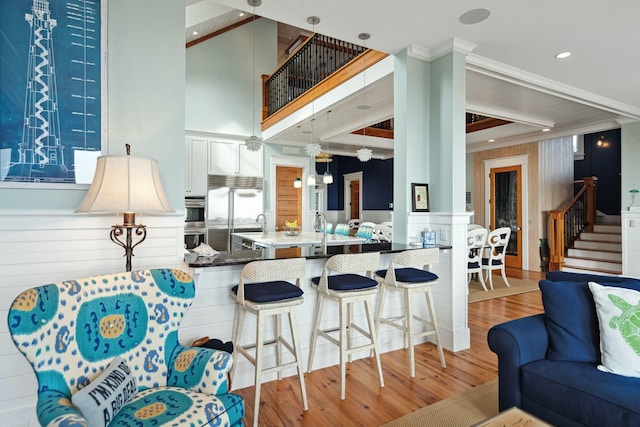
x,y
572,322
619,318
101,400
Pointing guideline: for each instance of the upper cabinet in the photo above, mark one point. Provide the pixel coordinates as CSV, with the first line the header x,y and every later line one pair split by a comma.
x,y
233,158
196,167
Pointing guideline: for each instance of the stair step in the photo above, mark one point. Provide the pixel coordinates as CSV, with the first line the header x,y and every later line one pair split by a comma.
x,y
595,254
591,271
603,246
601,237
593,264
607,228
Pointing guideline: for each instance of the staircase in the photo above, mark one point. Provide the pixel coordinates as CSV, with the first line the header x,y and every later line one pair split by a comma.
x,y
599,251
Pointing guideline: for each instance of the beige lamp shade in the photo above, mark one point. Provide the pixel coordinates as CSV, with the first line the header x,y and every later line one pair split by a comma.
x,y
125,184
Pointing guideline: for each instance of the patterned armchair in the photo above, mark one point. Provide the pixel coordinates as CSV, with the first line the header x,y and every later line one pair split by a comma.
x,y
71,332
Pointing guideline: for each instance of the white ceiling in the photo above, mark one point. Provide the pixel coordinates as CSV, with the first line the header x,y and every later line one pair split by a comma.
x,y
511,72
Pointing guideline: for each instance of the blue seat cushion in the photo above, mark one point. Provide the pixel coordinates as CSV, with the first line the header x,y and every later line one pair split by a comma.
x,y
473,265
348,282
269,291
411,275
582,393
485,261
572,321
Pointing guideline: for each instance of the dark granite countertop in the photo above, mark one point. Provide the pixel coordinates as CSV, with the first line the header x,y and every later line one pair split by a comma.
x,y
245,256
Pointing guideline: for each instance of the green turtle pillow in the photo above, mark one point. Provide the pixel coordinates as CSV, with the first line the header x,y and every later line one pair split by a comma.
x,y
618,312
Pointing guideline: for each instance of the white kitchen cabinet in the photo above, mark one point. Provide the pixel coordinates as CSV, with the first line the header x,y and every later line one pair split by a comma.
x,y
196,167
630,243
233,158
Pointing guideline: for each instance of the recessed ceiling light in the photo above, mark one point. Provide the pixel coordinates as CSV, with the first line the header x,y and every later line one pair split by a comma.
x,y
241,13
195,33
546,129
474,16
562,55
492,140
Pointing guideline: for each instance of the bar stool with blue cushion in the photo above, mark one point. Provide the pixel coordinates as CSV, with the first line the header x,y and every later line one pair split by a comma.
x,y
265,290
347,288
410,279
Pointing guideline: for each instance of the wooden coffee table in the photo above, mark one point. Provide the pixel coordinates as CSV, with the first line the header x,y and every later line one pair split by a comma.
x,y
513,417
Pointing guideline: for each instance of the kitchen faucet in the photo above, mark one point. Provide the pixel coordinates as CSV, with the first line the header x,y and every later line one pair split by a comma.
x,y
264,223
323,223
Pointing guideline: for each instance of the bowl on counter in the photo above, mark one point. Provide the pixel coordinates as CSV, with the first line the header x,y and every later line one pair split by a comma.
x,y
292,231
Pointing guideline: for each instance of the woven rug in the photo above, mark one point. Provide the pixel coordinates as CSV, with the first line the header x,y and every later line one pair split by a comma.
x,y
462,410
500,289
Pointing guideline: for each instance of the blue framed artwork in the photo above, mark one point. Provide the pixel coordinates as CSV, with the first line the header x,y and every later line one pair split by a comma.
x,y
51,91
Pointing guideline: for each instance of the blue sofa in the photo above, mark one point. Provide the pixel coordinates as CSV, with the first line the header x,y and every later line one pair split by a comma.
x,y
547,363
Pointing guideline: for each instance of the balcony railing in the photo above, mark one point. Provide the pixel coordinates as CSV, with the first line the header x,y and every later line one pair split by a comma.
x,y
565,225
316,59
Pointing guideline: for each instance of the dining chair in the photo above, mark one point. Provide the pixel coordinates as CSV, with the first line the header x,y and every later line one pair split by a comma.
x,y
497,240
265,290
476,240
347,287
408,274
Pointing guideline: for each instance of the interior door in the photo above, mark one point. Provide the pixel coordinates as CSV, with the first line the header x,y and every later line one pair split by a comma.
x,y
505,205
355,200
288,198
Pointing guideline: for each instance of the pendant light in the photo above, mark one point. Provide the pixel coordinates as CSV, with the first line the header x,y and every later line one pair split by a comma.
x,y
313,149
327,178
364,154
253,143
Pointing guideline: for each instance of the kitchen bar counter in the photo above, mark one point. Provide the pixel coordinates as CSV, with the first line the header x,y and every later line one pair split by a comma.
x,y
308,238
309,252
213,311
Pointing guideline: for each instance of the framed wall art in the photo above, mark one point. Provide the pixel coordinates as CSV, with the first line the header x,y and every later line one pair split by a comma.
x,y
52,91
420,197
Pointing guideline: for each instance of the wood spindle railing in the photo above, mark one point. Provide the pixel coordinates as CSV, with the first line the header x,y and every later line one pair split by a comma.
x,y
565,225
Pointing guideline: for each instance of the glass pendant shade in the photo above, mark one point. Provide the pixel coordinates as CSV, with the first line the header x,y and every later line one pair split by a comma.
x,y
297,183
311,180
327,178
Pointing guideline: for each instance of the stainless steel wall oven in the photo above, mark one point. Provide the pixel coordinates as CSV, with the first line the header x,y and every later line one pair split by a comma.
x,y
195,221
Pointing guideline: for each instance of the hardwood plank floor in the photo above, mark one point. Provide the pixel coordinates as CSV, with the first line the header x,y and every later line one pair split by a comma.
x,y
366,403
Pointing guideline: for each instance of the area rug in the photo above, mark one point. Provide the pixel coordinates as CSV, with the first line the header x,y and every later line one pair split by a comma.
x,y
500,289
462,410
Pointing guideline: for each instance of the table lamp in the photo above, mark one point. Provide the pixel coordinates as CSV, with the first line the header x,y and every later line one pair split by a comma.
x,y
126,184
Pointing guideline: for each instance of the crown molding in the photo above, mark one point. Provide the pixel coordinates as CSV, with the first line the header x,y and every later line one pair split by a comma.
x,y
453,45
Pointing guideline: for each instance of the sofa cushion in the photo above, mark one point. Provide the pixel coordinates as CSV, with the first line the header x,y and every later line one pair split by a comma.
x,y
166,406
582,393
101,400
566,276
572,322
619,320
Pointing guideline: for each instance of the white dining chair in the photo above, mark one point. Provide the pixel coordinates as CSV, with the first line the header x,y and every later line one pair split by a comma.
x,y
476,240
497,240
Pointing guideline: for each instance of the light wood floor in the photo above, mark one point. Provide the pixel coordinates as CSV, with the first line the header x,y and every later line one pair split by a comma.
x,y
367,404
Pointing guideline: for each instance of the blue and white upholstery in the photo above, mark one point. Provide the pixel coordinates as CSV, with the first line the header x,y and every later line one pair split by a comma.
x,y
71,331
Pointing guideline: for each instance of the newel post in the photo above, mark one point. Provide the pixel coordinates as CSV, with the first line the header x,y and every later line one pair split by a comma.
x,y
590,185
556,240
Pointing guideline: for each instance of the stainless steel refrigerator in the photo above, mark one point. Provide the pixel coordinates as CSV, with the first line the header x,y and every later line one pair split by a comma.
x,y
233,204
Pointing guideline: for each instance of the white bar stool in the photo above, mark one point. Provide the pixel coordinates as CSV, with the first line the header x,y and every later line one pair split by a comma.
x,y
346,289
270,295
410,281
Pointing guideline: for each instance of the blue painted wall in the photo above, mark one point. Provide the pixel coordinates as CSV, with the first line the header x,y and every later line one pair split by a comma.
x,y
377,182
604,161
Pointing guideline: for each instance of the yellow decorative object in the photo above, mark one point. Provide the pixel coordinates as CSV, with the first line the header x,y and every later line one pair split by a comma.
x,y
26,301
291,223
184,360
150,411
112,326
